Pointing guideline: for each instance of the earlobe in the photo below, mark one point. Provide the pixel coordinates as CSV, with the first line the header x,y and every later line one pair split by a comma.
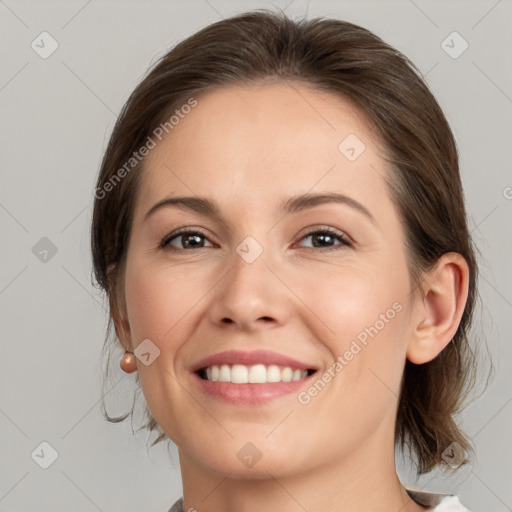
x,y
439,309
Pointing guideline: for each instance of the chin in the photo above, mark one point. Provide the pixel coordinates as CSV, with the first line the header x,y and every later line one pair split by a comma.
x,y
245,460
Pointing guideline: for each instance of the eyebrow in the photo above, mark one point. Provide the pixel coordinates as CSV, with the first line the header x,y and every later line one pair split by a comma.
x,y
294,204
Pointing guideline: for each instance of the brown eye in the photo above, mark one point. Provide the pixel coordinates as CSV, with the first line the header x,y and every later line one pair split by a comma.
x,y
185,240
324,239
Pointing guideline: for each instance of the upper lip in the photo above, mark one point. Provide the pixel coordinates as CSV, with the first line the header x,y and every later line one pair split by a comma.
x,y
252,357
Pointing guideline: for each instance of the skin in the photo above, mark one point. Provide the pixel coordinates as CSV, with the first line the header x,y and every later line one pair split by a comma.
x,y
248,150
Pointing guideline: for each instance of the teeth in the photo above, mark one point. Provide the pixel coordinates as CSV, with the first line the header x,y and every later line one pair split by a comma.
x,y
256,374
239,374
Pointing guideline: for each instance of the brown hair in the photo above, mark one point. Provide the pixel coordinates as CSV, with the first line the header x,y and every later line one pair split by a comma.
x,y
425,185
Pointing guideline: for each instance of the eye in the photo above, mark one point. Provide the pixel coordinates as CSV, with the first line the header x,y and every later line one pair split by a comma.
x,y
187,239
324,238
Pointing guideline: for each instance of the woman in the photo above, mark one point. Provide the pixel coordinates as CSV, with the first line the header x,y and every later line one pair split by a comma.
x,y
280,228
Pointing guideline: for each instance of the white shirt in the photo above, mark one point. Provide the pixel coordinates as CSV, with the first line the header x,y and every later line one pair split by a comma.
x,y
436,502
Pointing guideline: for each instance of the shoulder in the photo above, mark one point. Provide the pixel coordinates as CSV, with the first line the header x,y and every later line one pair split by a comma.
x,y
436,502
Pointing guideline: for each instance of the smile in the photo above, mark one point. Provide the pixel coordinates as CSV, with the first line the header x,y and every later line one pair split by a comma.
x,y
254,374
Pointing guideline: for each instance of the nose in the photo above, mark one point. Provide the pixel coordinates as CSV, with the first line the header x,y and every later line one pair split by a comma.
x,y
250,297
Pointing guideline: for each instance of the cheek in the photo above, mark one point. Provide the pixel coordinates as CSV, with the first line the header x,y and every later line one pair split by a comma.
x,y
362,317
160,301
350,299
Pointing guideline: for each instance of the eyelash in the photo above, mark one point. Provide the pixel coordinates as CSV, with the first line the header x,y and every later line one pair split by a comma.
x,y
345,242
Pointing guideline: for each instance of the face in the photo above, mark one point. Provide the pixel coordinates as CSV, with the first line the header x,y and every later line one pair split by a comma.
x,y
322,282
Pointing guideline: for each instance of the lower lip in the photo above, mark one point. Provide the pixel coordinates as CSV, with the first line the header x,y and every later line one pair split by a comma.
x,y
250,394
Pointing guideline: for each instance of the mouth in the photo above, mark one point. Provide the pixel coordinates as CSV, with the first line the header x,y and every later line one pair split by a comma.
x,y
247,378
253,374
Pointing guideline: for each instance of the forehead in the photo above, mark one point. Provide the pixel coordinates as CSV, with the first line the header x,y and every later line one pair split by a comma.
x,y
249,146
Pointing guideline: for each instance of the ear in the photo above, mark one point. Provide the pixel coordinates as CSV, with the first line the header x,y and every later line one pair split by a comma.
x,y
439,308
119,314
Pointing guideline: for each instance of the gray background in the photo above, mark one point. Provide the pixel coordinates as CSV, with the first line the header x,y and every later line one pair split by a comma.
x,y
57,114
